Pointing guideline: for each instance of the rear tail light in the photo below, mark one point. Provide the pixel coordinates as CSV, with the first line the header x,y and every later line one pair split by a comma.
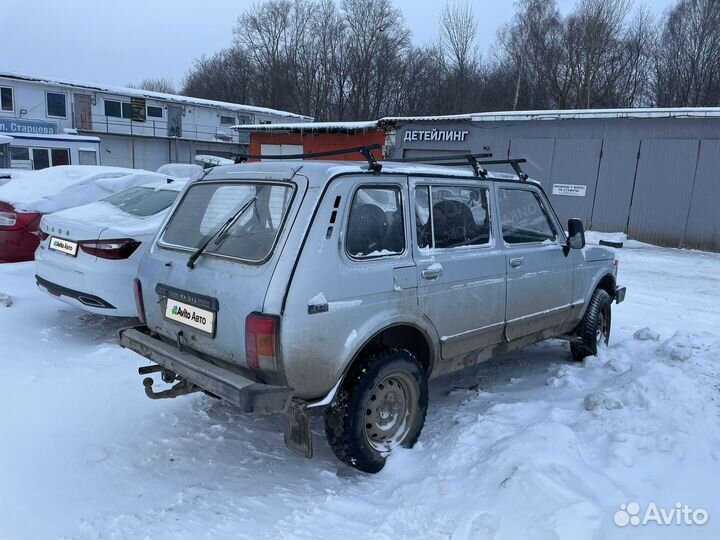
x,y
260,342
7,219
15,221
110,249
139,304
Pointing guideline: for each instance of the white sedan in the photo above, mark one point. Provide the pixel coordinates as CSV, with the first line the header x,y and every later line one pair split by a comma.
x,y
88,256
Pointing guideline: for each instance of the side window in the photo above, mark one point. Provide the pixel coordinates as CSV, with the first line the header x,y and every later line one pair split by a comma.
x,y
6,98
376,227
523,217
460,216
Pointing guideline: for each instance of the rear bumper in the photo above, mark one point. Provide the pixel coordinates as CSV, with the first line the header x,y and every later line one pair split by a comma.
x,y
86,299
619,294
250,396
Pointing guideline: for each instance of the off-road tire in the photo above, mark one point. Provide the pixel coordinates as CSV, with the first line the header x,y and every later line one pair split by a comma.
x,y
347,420
595,326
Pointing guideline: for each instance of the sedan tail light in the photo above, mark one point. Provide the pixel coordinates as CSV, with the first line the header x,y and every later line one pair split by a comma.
x,y
260,342
110,249
16,221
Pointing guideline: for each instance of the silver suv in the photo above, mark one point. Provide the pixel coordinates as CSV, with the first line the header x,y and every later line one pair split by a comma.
x,y
340,289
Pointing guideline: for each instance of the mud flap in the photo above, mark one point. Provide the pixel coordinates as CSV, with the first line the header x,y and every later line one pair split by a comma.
x,y
297,429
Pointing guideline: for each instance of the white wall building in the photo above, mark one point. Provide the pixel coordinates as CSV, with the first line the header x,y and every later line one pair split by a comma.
x,y
136,128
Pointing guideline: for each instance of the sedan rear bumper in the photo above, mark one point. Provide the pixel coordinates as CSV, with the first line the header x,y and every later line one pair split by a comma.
x,y
250,396
84,298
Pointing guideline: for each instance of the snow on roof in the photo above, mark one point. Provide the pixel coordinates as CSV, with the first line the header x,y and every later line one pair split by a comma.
x,y
137,92
311,126
680,112
4,139
499,116
58,136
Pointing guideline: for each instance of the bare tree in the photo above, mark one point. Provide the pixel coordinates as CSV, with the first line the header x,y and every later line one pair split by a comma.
x,y
163,85
688,65
458,28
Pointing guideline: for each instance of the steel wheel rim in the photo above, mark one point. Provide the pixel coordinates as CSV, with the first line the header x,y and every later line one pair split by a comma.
x,y
602,331
390,412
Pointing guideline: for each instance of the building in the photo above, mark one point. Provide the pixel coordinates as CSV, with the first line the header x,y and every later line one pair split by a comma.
x,y
316,137
651,173
136,128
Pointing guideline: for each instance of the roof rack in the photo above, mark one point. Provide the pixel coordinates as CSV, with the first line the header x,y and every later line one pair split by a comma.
x,y
365,151
476,161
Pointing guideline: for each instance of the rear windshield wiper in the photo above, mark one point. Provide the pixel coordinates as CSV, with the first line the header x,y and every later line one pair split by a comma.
x,y
220,233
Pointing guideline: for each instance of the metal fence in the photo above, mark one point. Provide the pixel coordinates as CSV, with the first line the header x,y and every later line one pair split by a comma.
x,y
657,179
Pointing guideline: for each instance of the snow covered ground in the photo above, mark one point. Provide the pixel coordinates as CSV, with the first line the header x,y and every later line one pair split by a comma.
x,y
529,446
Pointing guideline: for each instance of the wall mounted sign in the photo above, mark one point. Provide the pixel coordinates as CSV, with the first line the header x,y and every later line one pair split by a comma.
x,y
34,127
569,190
433,135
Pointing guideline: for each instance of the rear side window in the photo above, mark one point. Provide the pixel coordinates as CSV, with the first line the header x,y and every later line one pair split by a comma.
x,y
376,227
253,212
143,201
460,216
523,217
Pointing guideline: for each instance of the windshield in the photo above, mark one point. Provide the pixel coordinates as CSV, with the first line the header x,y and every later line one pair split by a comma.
x,y
143,201
207,206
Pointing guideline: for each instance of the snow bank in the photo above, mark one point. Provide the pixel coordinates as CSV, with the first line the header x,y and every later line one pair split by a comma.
x,y
530,445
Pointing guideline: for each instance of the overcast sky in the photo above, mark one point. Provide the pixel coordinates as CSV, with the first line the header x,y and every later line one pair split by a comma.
x,y
123,42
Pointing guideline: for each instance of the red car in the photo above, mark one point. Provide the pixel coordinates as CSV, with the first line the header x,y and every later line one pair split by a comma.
x,y
19,234
30,195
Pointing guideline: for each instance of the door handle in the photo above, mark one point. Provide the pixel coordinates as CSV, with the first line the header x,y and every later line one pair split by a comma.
x,y
517,261
433,272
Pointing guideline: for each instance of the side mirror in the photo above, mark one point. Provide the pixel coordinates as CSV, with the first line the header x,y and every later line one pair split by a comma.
x,y
576,234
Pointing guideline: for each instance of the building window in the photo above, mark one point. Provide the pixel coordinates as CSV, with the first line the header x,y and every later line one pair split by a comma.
x,y
6,99
19,153
60,156
87,157
227,120
118,109
154,112
56,105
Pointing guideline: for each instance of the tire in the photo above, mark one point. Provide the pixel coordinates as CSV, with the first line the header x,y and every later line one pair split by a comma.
x,y
381,405
594,329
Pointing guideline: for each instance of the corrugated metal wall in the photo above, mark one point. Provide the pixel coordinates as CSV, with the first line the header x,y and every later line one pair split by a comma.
x,y
656,179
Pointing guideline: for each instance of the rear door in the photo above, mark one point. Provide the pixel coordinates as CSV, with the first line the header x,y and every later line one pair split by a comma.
x,y
539,274
460,263
230,279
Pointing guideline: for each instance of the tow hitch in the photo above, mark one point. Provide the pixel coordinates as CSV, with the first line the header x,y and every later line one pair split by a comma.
x,y
182,388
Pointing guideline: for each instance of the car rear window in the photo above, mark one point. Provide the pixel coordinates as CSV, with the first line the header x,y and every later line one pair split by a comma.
x,y
206,207
143,201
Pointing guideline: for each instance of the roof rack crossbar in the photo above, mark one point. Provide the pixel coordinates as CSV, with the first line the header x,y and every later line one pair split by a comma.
x,y
476,161
365,151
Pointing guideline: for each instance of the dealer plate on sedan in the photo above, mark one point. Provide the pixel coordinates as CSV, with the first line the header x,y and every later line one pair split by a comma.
x,y
63,246
202,319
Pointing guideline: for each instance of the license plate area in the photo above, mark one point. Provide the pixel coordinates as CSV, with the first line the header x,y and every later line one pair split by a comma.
x,y
189,315
63,246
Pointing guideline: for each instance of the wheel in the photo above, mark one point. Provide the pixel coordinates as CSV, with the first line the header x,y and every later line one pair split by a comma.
x,y
594,329
380,406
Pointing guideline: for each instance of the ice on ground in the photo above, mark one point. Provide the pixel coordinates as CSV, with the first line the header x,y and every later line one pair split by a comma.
x,y
509,449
